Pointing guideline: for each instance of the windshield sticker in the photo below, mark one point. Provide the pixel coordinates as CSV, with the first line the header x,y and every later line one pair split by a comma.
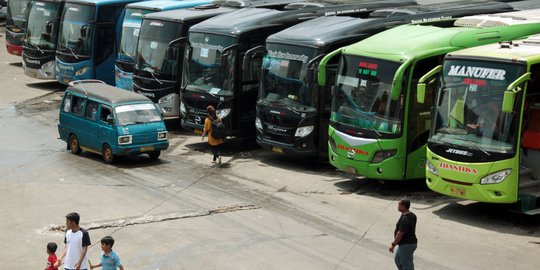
x,y
346,80
135,107
47,13
136,14
365,68
457,168
153,45
159,24
477,72
204,52
40,4
136,32
288,56
206,46
214,91
74,9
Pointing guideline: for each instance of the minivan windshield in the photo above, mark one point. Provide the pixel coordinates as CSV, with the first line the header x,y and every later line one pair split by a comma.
x,y
137,114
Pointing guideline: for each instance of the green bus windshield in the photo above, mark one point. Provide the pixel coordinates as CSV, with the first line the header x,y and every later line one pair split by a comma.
x,y
469,108
362,95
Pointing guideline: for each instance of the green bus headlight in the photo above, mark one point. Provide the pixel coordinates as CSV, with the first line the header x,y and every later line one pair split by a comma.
x,y
496,178
430,168
382,155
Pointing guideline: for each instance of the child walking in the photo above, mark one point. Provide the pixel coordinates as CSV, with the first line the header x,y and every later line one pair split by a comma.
x,y
51,260
109,258
212,141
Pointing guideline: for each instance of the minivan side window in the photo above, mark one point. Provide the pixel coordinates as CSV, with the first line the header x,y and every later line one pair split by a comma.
x,y
67,102
77,105
105,111
91,110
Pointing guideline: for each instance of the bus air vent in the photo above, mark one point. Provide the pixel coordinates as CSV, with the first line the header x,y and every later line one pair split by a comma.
x,y
478,22
533,40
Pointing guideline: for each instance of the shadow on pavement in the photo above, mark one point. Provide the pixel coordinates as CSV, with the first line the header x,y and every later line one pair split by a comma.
x,y
47,85
127,162
16,64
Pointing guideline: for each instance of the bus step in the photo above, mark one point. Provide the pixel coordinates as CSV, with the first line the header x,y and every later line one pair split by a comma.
x,y
532,212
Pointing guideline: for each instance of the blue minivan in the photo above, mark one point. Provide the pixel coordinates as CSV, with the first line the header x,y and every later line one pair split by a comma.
x,y
99,118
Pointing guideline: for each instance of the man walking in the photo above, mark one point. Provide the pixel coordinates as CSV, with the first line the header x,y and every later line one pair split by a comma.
x,y
77,241
404,237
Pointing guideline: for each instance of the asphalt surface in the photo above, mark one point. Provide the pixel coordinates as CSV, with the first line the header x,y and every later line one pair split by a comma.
x,y
259,210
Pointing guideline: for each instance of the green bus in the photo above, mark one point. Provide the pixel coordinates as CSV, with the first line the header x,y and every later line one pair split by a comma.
x,y
484,143
377,128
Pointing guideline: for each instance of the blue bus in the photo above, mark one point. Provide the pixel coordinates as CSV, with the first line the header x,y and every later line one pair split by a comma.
x,y
130,33
87,40
39,44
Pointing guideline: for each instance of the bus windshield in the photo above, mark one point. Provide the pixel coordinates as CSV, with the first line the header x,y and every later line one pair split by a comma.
x,y
42,20
76,30
205,72
130,32
137,114
284,70
362,97
469,113
154,57
17,10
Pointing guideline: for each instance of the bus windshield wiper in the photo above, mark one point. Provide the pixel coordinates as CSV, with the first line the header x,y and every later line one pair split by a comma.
x,y
475,145
150,70
72,52
37,47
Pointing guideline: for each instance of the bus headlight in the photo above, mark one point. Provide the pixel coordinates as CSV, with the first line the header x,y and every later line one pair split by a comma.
x,y
47,66
430,168
382,155
81,71
223,112
162,135
258,124
496,178
126,139
166,99
303,131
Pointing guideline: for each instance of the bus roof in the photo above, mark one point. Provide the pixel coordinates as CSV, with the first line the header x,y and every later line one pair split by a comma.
x,y
158,5
249,19
527,4
52,1
326,30
419,39
182,15
106,93
100,2
519,50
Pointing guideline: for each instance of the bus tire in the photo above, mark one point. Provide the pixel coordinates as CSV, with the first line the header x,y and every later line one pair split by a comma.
x,y
73,144
154,155
106,152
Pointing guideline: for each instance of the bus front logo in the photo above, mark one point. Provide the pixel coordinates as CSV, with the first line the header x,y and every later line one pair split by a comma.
x,y
459,152
458,168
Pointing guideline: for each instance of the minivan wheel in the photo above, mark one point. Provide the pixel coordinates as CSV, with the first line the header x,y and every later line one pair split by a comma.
x,y
154,155
107,154
74,144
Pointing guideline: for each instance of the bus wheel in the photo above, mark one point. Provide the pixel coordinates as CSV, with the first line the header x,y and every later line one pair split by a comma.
x,y
107,154
154,155
74,144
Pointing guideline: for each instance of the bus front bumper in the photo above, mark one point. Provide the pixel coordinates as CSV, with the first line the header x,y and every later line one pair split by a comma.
x,y
389,169
287,149
39,73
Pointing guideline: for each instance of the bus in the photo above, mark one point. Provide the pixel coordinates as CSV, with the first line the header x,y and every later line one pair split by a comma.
x,y
131,27
39,44
225,58
87,40
377,129
484,142
293,112
157,71
16,25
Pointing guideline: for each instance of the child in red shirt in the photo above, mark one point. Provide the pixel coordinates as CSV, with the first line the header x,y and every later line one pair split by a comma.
x,y
51,249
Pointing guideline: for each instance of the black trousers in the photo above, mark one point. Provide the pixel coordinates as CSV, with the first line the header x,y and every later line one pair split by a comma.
x,y
215,150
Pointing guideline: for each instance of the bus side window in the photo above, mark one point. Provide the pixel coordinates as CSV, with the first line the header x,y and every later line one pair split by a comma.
x,y
77,105
105,111
91,110
67,103
105,32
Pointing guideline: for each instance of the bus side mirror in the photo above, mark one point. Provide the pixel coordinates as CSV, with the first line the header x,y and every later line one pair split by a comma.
x,y
48,27
422,85
110,120
83,31
250,54
508,101
321,71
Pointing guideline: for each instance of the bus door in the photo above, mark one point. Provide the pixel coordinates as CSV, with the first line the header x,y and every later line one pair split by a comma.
x,y
325,105
248,92
419,118
106,42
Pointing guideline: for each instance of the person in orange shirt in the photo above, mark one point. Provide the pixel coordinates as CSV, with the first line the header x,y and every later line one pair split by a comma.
x,y
212,142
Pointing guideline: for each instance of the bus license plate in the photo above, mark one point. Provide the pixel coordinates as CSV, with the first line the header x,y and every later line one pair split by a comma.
x,y
457,191
66,80
32,73
198,131
277,149
147,148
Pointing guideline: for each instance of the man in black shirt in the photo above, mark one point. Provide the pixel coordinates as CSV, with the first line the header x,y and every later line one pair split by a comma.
x,y
404,237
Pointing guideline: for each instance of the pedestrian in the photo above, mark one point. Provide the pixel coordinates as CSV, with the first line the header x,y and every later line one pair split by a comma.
x,y
404,237
51,260
77,241
213,142
109,258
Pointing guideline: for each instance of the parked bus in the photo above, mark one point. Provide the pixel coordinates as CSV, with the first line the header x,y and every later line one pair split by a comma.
x,y
377,129
157,71
225,58
16,25
88,36
484,143
131,27
293,112
39,44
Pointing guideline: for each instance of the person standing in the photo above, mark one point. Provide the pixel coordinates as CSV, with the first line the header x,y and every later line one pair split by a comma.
x,y
51,260
109,258
77,241
404,237
213,142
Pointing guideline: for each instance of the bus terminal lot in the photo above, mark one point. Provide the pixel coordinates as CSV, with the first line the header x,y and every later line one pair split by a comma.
x,y
259,210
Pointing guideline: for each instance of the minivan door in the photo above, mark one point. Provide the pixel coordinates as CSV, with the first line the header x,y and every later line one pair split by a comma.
x,y
107,132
